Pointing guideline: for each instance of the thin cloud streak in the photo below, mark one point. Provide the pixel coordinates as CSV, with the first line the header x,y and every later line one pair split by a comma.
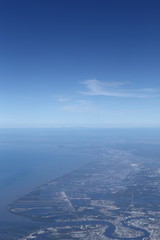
x,y
116,89
79,106
62,99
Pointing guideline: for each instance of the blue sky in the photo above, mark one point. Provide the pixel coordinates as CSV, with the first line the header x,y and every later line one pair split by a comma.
x,y
79,63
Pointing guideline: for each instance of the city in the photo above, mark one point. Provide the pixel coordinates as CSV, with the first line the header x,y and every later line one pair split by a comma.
x,y
116,197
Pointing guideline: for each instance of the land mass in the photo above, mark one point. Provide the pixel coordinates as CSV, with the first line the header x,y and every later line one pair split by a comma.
x,y
115,197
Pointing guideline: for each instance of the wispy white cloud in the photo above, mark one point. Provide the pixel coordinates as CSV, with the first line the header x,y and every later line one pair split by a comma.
x,y
62,99
116,89
79,106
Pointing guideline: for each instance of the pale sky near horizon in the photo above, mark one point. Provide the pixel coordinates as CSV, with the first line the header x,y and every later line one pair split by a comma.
x,y
79,63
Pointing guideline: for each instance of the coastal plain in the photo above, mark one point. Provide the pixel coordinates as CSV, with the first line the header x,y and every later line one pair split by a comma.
x,y
112,197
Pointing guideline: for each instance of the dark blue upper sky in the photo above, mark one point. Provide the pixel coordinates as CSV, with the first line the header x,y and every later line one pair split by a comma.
x,y
80,63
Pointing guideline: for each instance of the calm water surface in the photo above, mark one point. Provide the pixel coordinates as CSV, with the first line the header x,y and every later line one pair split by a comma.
x,y
31,158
